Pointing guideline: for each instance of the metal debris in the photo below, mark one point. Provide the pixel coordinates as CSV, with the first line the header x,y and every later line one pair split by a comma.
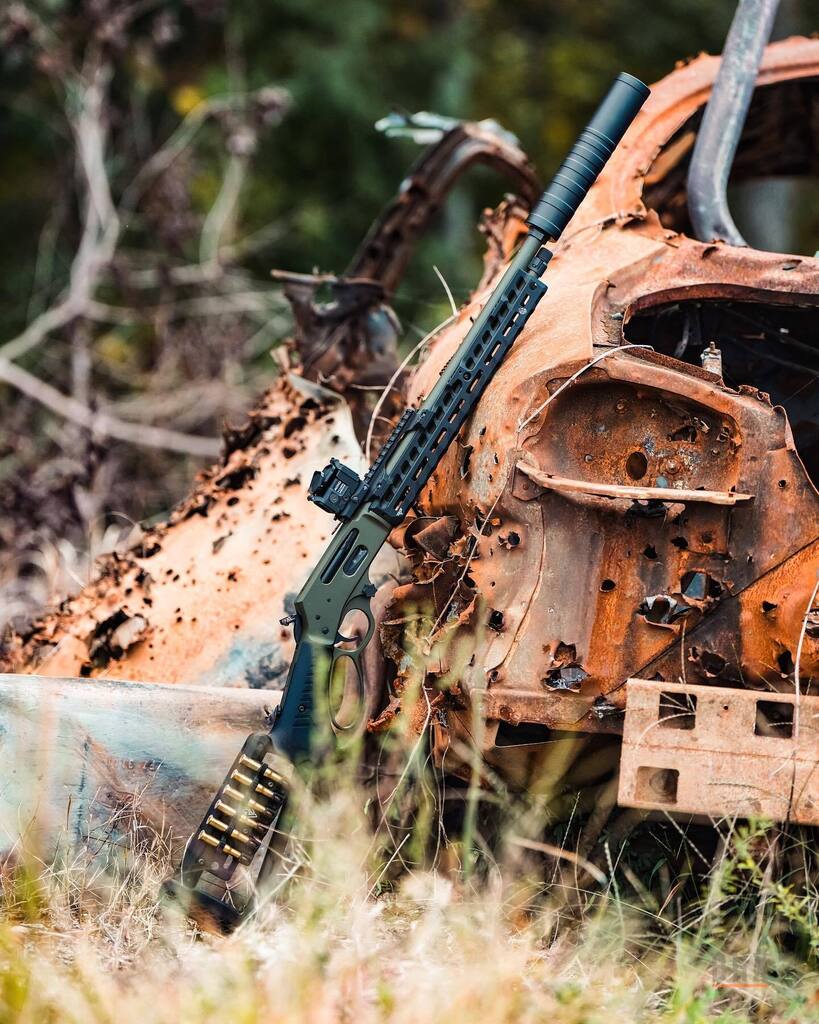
x,y
728,753
671,523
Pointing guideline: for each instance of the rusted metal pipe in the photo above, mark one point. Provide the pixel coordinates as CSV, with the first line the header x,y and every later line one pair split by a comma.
x,y
724,119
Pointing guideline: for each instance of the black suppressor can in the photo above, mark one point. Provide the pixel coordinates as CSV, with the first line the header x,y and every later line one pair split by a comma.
x,y
594,146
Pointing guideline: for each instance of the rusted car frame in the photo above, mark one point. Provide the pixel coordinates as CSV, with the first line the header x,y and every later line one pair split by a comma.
x,y
631,512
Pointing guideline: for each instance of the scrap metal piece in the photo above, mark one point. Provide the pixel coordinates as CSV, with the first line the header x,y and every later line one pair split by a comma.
x,y
603,490
353,338
100,763
723,120
711,359
639,588
720,751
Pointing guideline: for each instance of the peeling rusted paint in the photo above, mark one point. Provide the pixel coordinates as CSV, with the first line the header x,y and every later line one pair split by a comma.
x,y
198,599
531,602
619,561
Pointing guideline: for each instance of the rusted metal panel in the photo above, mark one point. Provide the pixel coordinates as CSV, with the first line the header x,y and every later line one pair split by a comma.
x,y
208,588
100,764
198,599
720,751
607,578
531,602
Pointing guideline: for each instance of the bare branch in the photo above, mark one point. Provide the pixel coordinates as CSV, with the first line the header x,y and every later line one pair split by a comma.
x,y
36,332
100,220
103,424
180,139
264,302
151,276
221,216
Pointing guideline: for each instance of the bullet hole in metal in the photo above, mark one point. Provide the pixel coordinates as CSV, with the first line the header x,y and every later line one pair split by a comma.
x,y
566,672
607,586
685,433
662,609
636,465
650,552
466,455
569,678
711,663
699,586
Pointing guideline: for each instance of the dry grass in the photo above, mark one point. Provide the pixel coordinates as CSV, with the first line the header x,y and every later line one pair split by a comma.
x,y
84,942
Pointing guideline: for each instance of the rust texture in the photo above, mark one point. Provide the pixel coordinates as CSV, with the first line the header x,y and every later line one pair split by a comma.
x,y
609,512
645,517
719,751
197,600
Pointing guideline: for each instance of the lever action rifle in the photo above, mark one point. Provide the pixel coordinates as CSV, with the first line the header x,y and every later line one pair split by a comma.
x,y
242,818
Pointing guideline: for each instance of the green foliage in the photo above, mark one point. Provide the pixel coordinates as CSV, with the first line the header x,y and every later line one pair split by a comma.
x,y
537,67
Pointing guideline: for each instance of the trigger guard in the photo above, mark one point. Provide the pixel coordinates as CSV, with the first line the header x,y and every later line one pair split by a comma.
x,y
361,605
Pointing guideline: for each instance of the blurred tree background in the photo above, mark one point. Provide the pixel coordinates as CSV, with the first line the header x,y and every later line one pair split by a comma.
x,y
159,157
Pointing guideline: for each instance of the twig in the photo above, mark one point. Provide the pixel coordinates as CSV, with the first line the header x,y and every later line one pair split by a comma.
x,y
798,659
223,211
391,382
179,141
204,305
102,423
100,220
447,289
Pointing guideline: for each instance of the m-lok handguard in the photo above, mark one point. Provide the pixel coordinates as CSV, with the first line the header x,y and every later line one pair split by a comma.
x,y
241,821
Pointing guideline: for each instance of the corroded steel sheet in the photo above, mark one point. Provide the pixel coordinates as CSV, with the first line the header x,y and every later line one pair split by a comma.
x,y
530,603
107,764
198,600
564,579
720,751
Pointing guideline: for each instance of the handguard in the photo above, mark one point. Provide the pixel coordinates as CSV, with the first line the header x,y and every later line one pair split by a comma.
x,y
241,822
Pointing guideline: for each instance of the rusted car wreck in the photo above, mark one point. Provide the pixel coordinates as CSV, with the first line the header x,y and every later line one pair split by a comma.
x,y
625,541
649,512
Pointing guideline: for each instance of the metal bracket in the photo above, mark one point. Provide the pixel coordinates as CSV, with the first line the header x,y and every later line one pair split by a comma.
x,y
720,751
